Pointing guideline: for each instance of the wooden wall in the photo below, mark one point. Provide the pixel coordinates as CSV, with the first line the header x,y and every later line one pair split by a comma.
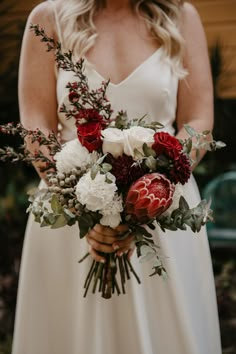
x,y
218,17
219,20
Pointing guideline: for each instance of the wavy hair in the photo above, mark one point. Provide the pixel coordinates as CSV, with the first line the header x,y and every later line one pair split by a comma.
x,y
163,17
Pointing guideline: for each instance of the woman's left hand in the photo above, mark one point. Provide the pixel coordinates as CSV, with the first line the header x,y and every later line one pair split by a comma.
x,y
124,245
104,239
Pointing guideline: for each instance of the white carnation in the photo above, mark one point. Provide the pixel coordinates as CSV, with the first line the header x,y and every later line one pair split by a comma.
x,y
73,155
175,204
111,214
96,193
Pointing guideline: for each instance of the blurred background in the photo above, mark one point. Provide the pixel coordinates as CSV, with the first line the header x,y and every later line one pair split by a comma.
x,y
216,175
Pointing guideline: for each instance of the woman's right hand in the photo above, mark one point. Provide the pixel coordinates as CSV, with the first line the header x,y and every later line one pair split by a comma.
x,y
104,239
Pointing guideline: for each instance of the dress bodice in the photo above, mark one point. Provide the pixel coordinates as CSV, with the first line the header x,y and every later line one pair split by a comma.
x,y
151,90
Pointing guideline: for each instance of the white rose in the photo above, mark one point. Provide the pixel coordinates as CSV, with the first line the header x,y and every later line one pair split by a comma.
x,y
96,193
118,142
135,137
113,142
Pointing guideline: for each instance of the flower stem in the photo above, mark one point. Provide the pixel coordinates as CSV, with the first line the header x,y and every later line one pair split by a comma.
x,y
132,270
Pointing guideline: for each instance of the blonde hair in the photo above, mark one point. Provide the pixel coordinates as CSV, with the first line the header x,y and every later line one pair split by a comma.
x,y
78,31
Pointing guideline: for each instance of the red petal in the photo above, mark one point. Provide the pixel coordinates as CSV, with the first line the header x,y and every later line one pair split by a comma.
x,y
132,197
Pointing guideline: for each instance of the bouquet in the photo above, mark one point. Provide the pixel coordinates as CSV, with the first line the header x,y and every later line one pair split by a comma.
x,y
117,171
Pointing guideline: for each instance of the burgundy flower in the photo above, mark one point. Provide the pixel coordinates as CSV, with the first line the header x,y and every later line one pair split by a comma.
x,y
149,197
181,169
73,96
124,169
89,134
89,125
166,144
89,115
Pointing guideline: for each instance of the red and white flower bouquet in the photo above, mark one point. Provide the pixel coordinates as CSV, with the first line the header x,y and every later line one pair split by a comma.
x,y
117,171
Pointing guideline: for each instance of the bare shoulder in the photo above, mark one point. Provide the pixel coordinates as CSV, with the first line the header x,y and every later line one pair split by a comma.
x,y
190,12
43,15
191,21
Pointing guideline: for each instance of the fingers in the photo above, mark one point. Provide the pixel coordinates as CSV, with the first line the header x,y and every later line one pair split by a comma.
x,y
124,246
103,239
105,230
98,246
96,256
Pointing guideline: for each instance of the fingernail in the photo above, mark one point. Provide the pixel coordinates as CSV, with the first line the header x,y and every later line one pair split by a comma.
x,y
115,247
120,254
102,261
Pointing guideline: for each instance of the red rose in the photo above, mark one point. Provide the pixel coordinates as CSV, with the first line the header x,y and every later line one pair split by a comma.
x,y
166,144
149,197
89,134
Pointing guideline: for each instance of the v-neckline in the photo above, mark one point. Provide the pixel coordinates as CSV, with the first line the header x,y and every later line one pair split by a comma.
x,y
128,77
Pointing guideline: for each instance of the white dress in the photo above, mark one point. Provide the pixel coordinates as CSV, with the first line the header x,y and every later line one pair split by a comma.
x,y
173,316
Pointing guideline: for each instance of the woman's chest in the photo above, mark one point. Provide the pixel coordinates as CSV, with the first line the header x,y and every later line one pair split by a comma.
x,y
120,48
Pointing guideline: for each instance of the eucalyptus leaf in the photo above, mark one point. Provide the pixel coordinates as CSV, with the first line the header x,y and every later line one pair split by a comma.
x,y
183,205
106,167
85,224
138,155
43,224
55,205
189,146
148,151
220,144
192,132
49,218
68,214
151,163
206,132
94,171
61,221
101,159
143,231
37,218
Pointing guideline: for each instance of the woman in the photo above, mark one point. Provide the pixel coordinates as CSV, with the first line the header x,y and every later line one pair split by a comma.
x,y
145,48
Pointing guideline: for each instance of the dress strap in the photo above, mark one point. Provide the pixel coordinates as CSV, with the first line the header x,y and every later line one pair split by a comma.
x,y
58,28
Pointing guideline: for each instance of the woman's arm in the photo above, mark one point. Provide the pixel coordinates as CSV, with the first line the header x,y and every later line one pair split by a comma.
x,y
37,83
195,95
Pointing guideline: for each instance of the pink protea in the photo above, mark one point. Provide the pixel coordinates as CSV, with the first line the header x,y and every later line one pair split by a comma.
x,y
149,197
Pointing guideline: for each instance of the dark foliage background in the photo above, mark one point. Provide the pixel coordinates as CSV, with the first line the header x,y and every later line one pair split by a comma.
x,y
17,179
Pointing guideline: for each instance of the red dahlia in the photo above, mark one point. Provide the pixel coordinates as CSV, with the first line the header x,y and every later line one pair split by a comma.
x,y
181,169
125,170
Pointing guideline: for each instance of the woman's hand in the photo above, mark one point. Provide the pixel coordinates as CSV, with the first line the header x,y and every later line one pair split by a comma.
x,y
105,239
